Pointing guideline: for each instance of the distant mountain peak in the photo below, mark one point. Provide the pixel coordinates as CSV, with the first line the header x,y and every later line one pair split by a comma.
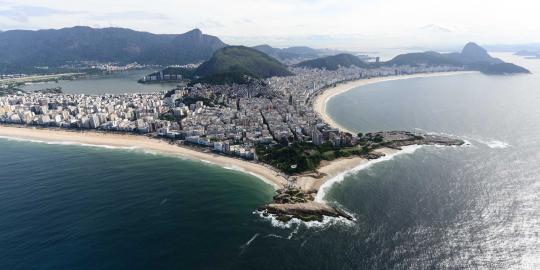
x,y
80,27
195,32
474,50
263,46
472,57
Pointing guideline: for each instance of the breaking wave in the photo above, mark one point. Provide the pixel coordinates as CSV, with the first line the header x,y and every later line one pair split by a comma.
x,y
69,143
491,143
338,178
327,221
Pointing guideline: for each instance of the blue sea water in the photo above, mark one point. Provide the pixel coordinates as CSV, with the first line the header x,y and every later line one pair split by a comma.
x,y
472,207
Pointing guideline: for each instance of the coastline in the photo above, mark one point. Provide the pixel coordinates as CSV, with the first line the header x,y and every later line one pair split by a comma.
x,y
127,141
332,169
315,183
321,100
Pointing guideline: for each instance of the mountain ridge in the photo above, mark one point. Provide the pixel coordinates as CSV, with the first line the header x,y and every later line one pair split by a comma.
x,y
55,47
333,62
472,57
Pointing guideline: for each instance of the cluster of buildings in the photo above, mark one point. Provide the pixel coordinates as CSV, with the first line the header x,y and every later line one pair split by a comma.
x,y
171,73
106,67
130,113
230,119
160,76
12,76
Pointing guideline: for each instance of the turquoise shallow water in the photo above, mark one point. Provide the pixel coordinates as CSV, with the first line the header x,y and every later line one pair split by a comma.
x,y
73,207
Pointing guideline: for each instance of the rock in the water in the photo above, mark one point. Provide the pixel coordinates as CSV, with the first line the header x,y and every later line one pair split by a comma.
x,y
309,211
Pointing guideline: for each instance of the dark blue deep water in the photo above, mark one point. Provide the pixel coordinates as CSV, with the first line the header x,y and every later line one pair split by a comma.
x,y
473,207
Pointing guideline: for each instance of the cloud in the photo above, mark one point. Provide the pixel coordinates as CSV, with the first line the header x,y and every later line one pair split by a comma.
x,y
433,28
209,24
23,13
329,23
128,16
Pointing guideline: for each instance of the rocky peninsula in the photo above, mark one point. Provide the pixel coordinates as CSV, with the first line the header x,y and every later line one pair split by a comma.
x,y
297,201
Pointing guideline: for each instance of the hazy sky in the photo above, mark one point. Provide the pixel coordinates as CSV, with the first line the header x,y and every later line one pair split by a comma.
x,y
348,24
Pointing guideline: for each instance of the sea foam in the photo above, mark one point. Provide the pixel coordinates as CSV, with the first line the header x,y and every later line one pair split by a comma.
x,y
327,221
69,143
491,143
246,245
496,144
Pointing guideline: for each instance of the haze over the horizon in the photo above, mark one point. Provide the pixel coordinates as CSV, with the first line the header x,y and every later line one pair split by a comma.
x,y
345,24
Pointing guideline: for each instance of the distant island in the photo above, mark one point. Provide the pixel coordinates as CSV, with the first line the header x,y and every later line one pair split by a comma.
x,y
472,57
529,54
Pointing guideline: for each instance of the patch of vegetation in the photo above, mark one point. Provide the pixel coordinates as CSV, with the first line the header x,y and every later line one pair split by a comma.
x,y
308,218
236,64
211,102
170,117
232,77
301,156
284,218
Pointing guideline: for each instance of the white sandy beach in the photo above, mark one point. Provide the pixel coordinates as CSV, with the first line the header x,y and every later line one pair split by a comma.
x,y
143,143
319,104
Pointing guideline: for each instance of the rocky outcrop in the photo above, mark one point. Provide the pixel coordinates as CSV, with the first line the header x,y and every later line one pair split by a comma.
x,y
398,139
308,211
292,195
292,202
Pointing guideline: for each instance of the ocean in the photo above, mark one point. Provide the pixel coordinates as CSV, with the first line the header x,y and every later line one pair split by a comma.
x,y
476,206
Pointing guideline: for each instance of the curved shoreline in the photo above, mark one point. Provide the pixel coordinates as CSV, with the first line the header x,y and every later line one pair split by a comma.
x,y
136,142
328,172
321,100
